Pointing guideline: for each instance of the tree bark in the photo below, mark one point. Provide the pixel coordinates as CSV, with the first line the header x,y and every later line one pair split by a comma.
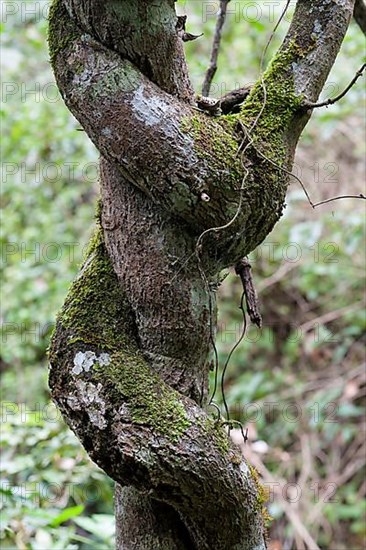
x,y
129,357
360,14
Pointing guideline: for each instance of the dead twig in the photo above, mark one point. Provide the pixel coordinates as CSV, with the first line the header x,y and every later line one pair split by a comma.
x,y
181,29
243,269
231,102
360,196
288,172
210,73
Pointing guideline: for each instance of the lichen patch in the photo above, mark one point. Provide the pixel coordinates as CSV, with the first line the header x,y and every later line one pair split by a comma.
x,y
83,361
89,396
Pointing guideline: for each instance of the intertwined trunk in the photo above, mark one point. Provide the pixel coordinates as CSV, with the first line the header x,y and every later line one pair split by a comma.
x,y
183,195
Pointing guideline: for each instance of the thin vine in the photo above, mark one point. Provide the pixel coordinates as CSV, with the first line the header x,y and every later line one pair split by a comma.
x,y
198,249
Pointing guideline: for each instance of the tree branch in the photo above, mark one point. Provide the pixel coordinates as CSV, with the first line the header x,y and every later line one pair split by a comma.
x,y
210,73
318,29
340,197
231,101
360,14
126,115
119,26
331,101
136,427
136,325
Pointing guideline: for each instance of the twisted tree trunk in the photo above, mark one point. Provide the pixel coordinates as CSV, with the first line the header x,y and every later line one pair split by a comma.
x,y
129,357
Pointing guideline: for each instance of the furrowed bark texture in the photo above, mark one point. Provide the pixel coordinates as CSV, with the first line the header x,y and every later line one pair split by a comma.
x,y
129,357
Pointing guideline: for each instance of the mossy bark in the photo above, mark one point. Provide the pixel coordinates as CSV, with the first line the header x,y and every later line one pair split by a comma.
x,y
129,357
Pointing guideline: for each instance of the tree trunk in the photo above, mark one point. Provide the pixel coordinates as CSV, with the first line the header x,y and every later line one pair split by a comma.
x,y
129,357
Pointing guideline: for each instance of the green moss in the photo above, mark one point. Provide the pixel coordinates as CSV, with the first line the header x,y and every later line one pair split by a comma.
x,y
223,135
236,457
276,107
150,402
215,430
270,118
95,310
96,313
217,142
123,78
262,495
61,30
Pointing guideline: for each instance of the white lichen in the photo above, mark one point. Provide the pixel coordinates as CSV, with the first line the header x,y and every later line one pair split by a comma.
x,y
89,398
244,468
104,359
107,132
74,403
149,109
84,360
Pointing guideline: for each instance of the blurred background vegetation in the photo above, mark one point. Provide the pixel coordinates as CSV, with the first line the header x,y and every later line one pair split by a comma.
x,y
298,384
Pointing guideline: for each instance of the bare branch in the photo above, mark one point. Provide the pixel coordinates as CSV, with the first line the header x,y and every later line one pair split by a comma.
x,y
210,73
329,317
288,172
308,105
360,196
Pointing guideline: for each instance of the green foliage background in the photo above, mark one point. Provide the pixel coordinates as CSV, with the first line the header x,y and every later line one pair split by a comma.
x,y
307,361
